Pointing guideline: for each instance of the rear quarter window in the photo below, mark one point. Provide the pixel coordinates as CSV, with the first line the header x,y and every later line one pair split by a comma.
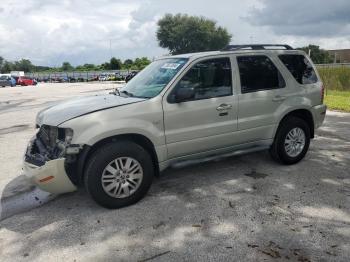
x,y
300,67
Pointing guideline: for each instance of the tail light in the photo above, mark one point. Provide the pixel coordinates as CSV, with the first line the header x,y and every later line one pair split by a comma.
x,y
322,93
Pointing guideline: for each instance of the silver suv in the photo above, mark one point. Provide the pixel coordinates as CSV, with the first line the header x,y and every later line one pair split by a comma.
x,y
186,107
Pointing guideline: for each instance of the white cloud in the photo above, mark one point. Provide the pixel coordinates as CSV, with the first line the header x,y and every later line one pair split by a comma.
x,y
326,23
52,31
49,31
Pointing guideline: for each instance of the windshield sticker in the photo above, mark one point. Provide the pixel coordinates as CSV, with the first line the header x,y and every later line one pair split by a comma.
x,y
172,66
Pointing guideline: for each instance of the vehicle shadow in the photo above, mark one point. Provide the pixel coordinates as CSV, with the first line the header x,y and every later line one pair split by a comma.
x,y
244,208
19,195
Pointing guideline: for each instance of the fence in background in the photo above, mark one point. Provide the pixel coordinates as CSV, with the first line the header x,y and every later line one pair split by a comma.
x,y
77,75
333,65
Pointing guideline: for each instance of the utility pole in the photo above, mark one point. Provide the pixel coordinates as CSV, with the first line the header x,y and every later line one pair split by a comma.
x,y
110,47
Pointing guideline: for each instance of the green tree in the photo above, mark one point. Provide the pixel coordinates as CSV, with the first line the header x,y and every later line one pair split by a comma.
x,y
182,33
66,66
24,65
86,67
41,68
89,66
141,63
105,66
1,62
128,63
7,67
318,55
115,64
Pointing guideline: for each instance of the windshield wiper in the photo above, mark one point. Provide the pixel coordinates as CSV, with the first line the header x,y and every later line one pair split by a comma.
x,y
132,95
127,93
144,97
115,92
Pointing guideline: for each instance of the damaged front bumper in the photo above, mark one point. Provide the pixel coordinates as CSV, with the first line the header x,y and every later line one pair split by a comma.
x,y
50,177
45,165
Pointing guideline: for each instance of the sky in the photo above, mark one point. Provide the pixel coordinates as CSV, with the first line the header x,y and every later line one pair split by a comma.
x,y
49,32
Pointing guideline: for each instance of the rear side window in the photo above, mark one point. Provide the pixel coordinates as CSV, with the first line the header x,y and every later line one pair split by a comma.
x,y
258,73
300,67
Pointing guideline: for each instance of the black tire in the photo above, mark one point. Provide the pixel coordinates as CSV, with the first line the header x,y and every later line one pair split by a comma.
x,y
277,150
102,157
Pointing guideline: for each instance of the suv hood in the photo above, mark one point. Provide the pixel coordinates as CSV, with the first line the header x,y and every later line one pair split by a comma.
x,y
72,108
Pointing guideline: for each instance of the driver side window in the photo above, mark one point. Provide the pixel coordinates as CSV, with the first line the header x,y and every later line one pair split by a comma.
x,y
209,79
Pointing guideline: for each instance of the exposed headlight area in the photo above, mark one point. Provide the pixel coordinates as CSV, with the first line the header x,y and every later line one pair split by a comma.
x,y
49,143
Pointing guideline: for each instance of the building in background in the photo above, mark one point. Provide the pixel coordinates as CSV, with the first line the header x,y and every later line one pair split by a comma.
x,y
340,55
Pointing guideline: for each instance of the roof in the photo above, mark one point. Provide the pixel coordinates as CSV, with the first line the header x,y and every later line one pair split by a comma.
x,y
248,48
237,51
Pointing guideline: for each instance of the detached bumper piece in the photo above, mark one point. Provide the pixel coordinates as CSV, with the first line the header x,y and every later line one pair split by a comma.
x,y
44,165
50,177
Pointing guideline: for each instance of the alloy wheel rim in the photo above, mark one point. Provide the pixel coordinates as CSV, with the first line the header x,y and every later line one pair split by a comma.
x,y
122,177
294,142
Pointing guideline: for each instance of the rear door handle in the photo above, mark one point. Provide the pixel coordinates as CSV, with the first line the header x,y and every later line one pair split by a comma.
x,y
224,107
279,98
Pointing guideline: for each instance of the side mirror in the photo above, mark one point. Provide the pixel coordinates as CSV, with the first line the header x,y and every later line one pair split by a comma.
x,y
183,94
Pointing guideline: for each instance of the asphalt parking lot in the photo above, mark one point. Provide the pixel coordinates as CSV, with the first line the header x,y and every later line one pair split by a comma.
x,y
245,208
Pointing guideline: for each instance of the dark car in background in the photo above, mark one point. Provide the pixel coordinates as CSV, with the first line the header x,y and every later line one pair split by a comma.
x,y
130,76
7,81
16,79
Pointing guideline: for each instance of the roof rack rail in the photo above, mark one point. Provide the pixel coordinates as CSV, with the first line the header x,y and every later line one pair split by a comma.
x,y
257,47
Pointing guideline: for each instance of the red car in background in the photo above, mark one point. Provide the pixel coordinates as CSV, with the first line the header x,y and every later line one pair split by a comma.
x,y
25,81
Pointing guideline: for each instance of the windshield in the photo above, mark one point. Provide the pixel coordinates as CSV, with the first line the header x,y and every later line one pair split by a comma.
x,y
151,80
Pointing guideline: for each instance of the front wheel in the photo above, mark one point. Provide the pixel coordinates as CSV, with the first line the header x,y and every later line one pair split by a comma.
x,y
291,141
119,174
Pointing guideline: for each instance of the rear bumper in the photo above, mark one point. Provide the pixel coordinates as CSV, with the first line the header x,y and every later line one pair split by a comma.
x,y
50,177
319,114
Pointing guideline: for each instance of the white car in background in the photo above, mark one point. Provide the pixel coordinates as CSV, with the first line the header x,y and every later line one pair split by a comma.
x,y
103,77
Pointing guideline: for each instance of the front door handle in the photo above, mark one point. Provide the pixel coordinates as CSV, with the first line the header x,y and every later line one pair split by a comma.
x,y
279,98
224,107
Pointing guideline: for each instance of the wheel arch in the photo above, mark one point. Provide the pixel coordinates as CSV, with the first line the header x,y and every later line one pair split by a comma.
x,y
301,113
86,153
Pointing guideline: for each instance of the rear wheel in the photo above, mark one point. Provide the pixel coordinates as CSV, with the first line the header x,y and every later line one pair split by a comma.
x,y
292,141
119,174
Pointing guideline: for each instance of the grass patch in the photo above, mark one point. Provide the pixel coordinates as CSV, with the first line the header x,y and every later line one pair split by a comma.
x,y
337,100
335,78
